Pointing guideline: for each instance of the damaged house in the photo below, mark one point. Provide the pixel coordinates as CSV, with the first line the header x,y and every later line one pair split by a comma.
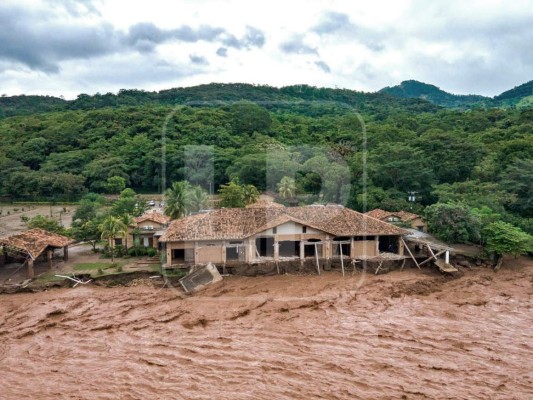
x,y
414,221
277,233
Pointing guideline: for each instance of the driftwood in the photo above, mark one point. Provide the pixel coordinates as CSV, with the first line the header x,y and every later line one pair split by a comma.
x,y
78,281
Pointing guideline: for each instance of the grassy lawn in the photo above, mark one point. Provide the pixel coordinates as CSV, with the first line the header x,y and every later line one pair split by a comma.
x,y
96,265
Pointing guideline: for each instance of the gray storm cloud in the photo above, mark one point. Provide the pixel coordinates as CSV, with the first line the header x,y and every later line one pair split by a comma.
x,y
43,42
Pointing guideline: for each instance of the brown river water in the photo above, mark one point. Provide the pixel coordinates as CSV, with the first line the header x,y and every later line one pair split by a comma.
x,y
411,335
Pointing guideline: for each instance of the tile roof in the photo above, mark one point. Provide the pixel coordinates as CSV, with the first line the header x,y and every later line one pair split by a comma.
x,y
35,241
405,216
240,223
153,216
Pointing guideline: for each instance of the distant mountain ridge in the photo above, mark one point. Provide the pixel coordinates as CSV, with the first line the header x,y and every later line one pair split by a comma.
x,y
269,96
410,95
411,89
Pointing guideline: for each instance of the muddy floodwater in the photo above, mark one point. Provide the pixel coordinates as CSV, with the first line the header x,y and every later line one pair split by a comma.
x,y
411,334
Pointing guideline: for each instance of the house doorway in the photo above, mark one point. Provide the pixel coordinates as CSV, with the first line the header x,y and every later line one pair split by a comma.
x,y
264,247
388,244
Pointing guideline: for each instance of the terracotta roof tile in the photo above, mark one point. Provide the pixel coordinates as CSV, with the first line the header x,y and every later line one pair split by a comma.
x,y
154,217
240,223
35,241
405,216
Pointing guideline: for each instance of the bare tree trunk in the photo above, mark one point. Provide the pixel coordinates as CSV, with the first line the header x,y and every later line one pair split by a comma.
x,y
499,261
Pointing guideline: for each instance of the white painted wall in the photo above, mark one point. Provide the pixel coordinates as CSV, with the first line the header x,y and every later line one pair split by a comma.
x,y
289,228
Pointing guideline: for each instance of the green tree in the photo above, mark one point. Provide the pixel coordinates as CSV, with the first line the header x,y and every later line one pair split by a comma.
x,y
231,195
115,184
197,199
287,188
129,203
88,232
503,238
127,220
248,118
453,222
110,228
250,194
518,180
177,201
475,194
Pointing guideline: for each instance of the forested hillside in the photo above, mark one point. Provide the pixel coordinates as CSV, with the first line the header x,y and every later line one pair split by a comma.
x,y
419,90
483,158
214,92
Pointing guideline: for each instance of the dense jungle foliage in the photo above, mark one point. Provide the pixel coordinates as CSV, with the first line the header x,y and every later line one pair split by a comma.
x,y
336,144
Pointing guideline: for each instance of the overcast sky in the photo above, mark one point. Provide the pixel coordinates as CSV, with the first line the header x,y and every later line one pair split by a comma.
x,y
66,47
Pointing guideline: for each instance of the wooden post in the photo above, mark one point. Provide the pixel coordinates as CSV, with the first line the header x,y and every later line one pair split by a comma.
x,y
49,256
31,272
411,254
434,256
316,256
342,258
400,246
65,253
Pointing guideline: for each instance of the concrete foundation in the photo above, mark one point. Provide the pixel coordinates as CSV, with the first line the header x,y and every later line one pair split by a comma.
x,y
305,266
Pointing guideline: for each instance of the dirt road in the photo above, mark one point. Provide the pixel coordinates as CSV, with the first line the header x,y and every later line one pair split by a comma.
x,y
412,335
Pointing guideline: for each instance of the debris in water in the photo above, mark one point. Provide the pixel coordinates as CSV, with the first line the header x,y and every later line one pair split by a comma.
x,y
200,278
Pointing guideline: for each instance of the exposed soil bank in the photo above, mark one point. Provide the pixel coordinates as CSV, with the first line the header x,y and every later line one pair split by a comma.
x,y
407,334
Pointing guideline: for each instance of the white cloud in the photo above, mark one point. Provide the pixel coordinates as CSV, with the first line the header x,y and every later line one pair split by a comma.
x,y
67,47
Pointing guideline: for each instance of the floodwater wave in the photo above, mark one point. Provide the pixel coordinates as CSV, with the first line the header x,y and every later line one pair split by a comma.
x,y
410,334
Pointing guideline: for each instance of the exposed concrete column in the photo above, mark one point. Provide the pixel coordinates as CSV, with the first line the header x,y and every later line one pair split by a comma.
x,y
250,255
195,252
302,250
447,257
65,253
377,246
223,250
276,250
352,247
31,273
49,255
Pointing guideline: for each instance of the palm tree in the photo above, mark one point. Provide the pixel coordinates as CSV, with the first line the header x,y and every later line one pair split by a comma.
x,y
111,228
287,187
177,200
250,194
127,220
197,198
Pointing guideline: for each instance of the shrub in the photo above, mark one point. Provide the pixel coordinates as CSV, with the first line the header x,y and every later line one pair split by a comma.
x,y
137,251
151,252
